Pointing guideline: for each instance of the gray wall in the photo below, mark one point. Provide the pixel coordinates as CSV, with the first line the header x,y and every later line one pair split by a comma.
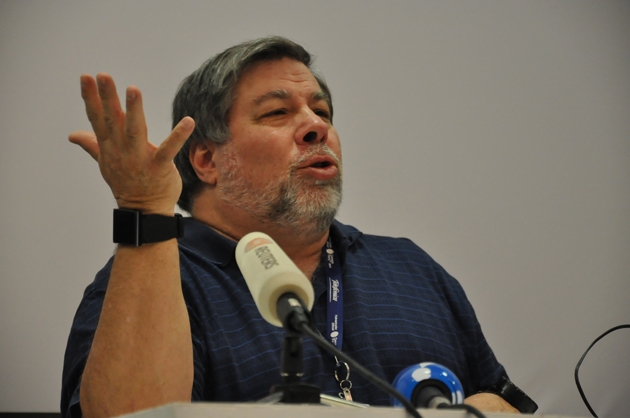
x,y
494,134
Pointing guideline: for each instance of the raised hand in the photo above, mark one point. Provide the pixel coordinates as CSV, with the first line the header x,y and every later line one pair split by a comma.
x,y
141,175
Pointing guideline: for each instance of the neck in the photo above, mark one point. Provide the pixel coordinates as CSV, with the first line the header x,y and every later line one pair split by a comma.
x,y
305,252
304,249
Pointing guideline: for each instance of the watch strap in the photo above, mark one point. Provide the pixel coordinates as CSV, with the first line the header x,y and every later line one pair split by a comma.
x,y
513,395
131,227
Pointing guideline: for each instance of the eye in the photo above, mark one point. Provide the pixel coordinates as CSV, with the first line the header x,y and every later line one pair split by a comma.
x,y
275,112
324,114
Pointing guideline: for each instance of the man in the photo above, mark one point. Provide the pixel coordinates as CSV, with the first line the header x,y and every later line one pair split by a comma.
x,y
255,150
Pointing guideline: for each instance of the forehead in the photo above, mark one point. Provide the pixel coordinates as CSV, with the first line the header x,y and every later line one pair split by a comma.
x,y
283,74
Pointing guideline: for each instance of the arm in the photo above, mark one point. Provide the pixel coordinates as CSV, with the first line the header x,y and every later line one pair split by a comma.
x,y
141,355
489,402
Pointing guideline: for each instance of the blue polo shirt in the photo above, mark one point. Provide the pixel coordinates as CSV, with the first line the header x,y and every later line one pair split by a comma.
x,y
400,308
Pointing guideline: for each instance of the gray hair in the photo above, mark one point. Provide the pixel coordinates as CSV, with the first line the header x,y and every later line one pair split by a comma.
x,y
208,93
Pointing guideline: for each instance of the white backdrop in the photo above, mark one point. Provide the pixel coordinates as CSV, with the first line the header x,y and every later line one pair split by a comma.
x,y
494,134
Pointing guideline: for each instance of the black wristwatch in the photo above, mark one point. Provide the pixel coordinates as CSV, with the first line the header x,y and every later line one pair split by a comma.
x,y
513,395
131,227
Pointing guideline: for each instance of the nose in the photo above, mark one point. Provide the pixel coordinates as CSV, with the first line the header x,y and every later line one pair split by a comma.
x,y
312,129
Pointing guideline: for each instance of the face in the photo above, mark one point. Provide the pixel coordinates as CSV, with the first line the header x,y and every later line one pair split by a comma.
x,y
283,163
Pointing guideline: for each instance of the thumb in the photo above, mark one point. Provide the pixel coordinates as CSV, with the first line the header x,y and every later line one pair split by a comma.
x,y
175,141
87,141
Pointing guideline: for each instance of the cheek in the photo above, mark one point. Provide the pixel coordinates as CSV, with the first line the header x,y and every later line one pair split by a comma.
x,y
264,150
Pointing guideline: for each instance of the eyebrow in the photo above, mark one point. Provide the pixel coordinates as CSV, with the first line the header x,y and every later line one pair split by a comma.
x,y
273,94
283,95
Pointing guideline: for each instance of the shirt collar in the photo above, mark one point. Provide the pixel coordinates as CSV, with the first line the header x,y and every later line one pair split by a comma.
x,y
208,243
343,237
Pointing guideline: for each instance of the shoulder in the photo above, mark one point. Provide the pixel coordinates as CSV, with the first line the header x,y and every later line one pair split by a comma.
x,y
358,242
396,261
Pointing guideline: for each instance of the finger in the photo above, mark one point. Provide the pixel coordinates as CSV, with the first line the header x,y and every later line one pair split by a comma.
x,y
87,141
113,115
135,124
175,141
93,107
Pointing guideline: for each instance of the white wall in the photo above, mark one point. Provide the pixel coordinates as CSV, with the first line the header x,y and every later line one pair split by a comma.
x,y
494,134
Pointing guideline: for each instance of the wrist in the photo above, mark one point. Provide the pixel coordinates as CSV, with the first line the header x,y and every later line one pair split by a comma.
x,y
148,207
507,390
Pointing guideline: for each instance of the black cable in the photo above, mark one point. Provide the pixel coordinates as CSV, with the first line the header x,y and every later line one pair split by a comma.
x,y
371,377
468,408
577,367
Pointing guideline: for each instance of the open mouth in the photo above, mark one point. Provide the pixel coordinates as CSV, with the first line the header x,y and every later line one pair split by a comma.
x,y
321,164
321,168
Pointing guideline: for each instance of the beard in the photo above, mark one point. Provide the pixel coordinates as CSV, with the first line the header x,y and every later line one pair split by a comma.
x,y
291,201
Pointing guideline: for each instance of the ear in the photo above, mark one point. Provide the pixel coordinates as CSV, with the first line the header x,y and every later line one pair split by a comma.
x,y
202,158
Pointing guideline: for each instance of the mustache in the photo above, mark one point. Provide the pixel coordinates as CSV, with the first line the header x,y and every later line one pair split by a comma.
x,y
316,151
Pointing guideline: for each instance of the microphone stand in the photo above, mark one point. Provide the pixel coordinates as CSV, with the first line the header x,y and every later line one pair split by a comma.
x,y
292,390
296,320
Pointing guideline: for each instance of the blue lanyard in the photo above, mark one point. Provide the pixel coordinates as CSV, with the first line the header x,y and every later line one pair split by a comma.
x,y
334,314
335,294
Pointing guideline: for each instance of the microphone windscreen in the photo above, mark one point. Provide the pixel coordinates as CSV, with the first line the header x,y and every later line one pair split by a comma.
x,y
425,374
270,273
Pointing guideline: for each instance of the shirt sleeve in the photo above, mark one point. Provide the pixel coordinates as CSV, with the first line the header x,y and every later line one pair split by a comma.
x,y
80,342
483,367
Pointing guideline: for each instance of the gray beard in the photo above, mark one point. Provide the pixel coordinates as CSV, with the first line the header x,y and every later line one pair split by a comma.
x,y
290,202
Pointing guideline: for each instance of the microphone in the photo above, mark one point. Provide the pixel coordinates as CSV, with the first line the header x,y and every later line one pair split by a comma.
x,y
429,385
273,279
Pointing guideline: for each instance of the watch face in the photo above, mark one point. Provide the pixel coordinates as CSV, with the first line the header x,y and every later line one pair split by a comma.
x,y
127,227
